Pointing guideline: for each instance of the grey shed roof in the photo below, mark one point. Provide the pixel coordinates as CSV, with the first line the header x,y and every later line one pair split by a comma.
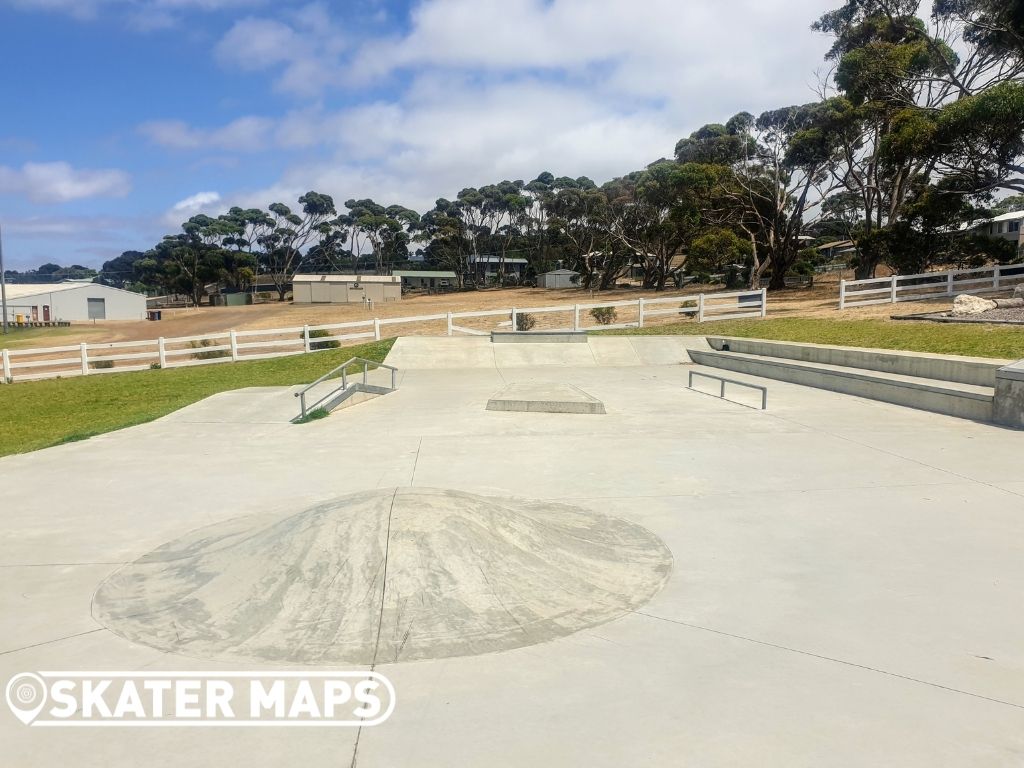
x,y
421,273
562,272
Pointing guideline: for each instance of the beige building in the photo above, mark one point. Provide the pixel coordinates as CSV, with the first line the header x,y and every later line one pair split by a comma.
x,y
345,289
1007,226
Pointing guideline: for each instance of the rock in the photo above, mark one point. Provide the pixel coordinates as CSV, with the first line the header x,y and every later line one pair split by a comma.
x,y
1010,303
971,305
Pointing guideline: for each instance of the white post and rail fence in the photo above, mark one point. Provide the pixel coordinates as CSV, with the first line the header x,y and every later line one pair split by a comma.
x,y
88,358
928,285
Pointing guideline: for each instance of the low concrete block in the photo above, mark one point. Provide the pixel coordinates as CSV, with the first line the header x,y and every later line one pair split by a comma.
x,y
538,337
1008,405
544,397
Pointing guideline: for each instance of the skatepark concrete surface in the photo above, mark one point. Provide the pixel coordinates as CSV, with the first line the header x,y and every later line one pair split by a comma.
x,y
830,582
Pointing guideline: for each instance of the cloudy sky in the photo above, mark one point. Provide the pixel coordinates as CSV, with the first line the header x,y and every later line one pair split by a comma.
x,y
121,118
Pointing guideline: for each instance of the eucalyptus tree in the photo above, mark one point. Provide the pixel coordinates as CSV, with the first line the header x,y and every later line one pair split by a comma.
x,y
291,232
924,110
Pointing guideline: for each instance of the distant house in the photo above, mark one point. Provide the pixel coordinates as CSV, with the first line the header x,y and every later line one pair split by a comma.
x,y
345,289
72,301
1006,226
836,249
485,267
426,278
558,278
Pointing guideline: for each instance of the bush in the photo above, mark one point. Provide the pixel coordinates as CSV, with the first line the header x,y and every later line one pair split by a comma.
x,y
604,315
155,366
314,415
524,321
101,364
211,354
320,334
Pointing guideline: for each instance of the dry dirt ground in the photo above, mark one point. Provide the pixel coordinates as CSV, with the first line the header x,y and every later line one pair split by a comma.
x,y
821,300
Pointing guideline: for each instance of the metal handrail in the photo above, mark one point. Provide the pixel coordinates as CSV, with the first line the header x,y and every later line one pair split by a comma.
x,y
301,394
724,381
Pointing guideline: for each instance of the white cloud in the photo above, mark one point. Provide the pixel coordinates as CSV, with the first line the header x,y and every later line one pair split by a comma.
x,y
59,182
201,202
305,49
245,134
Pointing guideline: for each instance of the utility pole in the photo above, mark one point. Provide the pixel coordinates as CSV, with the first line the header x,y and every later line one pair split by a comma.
x,y
3,284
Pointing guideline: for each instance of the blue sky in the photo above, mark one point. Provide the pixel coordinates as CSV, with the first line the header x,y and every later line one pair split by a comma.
x,y
124,117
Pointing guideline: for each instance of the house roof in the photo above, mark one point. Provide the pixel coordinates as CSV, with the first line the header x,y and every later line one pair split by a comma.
x,y
345,279
562,272
421,273
834,244
1011,216
21,290
473,259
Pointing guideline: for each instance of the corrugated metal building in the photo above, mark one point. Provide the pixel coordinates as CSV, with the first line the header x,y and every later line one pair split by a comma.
x,y
558,278
413,278
345,289
72,302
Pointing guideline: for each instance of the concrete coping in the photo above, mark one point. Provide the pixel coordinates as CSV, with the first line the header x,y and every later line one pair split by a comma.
x,y
1013,371
538,337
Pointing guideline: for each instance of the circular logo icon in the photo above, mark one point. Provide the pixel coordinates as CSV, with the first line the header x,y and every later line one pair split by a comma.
x,y
26,695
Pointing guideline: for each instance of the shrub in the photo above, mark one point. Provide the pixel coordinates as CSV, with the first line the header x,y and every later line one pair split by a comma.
x,y
155,366
209,355
524,321
604,315
101,364
320,334
314,415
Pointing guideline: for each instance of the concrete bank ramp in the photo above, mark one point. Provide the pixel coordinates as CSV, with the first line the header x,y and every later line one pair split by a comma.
x,y
439,352
386,575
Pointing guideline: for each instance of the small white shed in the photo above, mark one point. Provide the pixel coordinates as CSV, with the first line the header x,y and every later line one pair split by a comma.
x,y
558,278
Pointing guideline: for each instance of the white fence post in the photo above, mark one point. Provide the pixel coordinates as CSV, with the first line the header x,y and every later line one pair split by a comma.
x,y
575,317
85,358
161,352
949,283
764,302
450,324
842,294
234,346
376,329
7,365
305,339
515,320
892,290
640,313
995,278
700,307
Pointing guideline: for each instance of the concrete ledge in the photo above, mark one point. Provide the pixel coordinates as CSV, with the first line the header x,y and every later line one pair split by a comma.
x,y
953,399
1008,406
542,397
538,337
964,370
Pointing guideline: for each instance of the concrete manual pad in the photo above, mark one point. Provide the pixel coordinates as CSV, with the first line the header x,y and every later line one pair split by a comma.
x,y
544,397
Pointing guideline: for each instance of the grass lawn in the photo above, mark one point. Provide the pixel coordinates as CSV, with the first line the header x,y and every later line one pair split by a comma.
x,y
941,338
37,414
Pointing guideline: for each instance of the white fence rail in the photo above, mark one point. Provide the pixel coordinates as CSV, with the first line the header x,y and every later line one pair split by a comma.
x,y
928,285
230,346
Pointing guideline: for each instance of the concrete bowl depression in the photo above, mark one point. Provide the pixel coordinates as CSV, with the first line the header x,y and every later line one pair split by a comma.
x,y
384,576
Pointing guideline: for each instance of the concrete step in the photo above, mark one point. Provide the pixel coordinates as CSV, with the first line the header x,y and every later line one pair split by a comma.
x,y
965,370
969,401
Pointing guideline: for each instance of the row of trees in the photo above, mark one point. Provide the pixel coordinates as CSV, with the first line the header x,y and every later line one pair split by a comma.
x,y
917,131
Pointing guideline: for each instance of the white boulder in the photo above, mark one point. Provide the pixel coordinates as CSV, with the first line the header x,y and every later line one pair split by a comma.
x,y
971,305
